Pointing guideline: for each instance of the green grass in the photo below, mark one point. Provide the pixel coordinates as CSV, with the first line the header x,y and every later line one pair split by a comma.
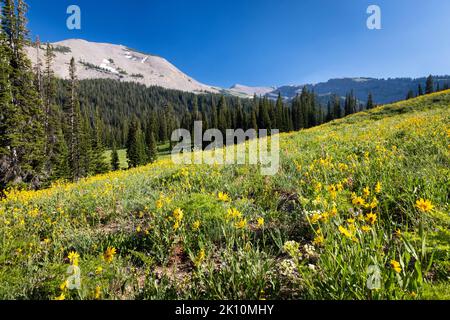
x,y
343,203
163,152
122,158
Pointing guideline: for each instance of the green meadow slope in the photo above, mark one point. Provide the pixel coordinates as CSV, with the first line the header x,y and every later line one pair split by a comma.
x,y
358,210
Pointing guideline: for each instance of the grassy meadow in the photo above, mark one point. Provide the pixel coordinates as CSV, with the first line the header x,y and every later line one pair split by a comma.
x,y
358,210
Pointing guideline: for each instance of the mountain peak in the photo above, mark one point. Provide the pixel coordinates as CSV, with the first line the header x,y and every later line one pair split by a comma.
x,y
111,61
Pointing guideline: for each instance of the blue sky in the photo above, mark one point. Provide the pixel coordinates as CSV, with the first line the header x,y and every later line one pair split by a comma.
x,y
265,42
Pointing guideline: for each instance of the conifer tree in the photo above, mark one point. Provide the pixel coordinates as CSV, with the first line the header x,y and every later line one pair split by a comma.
x,y
410,95
99,163
429,88
370,104
115,163
22,162
420,90
337,110
74,123
135,145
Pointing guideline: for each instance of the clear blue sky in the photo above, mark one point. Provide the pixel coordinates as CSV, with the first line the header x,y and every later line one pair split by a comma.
x,y
265,42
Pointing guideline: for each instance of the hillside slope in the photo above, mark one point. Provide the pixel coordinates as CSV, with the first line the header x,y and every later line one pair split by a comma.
x,y
367,193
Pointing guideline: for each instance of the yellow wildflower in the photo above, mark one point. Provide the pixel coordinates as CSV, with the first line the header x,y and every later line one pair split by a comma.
x,y
396,266
224,197
366,192
233,214
98,270
63,286
424,205
196,225
319,240
61,297
200,258
366,229
371,218
178,214
378,188
358,201
109,254
260,222
73,258
241,224
345,232
98,292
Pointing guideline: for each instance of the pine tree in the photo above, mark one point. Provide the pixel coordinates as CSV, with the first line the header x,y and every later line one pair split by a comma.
x,y
370,104
73,116
115,163
410,95
152,148
135,145
150,140
8,115
420,90
337,110
23,160
429,85
99,164
222,112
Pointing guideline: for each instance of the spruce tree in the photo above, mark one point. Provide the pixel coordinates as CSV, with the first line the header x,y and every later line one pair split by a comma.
x,y
23,160
370,104
99,163
429,85
115,163
74,123
135,145
420,90
410,95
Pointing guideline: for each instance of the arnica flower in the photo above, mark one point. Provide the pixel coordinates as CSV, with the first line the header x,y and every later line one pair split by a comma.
x,y
98,270
319,240
366,192
358,201
200,258
159,204
332,190
315,218
178,214
366,229
345,232
61,297
224,197
233,214
424,205
260,222
396,266
242,224
63,286
109,254
98,292
73,258
371,218
378,188
196,225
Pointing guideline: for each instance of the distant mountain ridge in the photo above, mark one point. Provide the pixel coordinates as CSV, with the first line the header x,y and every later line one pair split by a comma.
x,y
110,61
383,90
